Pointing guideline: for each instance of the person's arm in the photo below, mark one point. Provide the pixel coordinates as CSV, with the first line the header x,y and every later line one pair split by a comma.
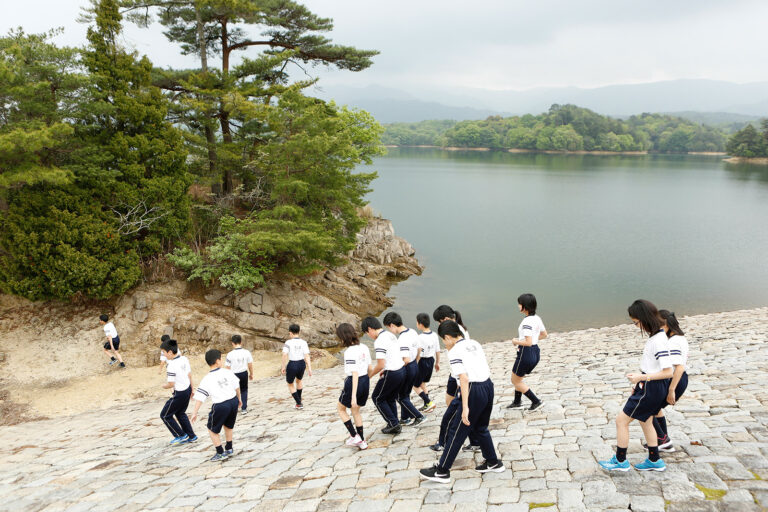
x,y
665,373
376,369
239,399
285,362
170,381
198,403
676,376
355,377
527,342
543,335
191,384
437,359
309,363
418,354
250,371
464,383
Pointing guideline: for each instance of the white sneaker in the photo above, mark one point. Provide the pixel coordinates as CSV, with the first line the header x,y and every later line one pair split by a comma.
x,y
353,441
363,444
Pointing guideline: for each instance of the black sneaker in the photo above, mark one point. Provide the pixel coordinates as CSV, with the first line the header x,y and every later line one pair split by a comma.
x,y
665,445
498,467
471,448
515,405
436,475
437,447
392,429
419,421
535,405
122,365
406,421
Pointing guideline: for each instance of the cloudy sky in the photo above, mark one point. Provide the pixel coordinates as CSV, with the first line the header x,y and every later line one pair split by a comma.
x,y
501,44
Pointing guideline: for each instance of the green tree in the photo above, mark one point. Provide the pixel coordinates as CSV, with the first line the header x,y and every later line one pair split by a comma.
x,y
747,142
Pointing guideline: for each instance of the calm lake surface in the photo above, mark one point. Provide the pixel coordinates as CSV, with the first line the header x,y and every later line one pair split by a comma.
x,y
586,234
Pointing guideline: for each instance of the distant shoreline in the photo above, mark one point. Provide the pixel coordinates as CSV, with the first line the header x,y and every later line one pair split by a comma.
x,y
557,152
746,160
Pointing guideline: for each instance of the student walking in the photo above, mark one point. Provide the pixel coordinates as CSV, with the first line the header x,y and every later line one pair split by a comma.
x,y
409,348
179,374
296,361
678,354
428,359
389,363
240,361
649,393
530,331
445,313
354,395
112,345
471,410
223,387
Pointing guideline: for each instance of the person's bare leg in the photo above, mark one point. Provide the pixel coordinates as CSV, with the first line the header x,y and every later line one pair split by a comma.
x,y
228,434
215,438
520,386
342,412
622,430
650,433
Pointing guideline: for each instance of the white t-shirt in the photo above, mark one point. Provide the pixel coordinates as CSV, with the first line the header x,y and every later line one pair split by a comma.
x,y
531,326
219,384
409,344
178,371
109,330
387,347
238,360
678,350
467,357
357,358
429,342
164,359
656,353
296,348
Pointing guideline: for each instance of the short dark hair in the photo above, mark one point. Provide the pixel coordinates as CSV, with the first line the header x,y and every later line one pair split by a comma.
x,y
294,329
442,312
423,319
449,328
393,318
212,356
170,345
237,339
164,338
370,322
672,324
646,313
528,301
347,335
104,318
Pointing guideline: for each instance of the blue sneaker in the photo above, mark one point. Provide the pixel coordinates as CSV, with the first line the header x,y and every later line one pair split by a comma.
x,y
648,465
192,439
180,440
229,453
174,441
218,457
614,464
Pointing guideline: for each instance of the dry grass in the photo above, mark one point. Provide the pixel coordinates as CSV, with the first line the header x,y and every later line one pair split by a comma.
x,y
367,212
12,413
159,270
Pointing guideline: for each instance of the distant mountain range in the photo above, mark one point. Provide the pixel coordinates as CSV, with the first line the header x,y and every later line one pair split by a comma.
x,y
717,101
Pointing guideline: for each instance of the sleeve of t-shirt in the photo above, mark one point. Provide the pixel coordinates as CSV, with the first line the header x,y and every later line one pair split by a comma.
x,y
202,393
541,326
349,361
404,345
285,348
457,362
248,357
675,351
661,353
527,328
171,373
380,348
163,359
305,347
228,362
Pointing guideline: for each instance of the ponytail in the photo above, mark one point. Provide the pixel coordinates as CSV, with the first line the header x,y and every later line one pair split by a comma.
x,y
672,324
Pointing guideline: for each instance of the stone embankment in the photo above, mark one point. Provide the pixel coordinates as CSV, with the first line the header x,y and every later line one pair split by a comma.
x,y
296,460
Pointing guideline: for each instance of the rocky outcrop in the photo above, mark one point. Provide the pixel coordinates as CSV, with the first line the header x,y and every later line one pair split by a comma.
x,y
318,303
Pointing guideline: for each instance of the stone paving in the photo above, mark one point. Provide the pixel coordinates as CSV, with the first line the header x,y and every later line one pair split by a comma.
x,y
290,460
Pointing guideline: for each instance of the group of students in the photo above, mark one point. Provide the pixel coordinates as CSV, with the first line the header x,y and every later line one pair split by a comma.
x,y
404,363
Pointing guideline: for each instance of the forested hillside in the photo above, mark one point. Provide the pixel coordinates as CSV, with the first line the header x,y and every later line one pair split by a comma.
x,y
564,128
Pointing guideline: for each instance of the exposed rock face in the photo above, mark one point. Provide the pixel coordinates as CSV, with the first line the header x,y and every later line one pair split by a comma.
x,y
318,303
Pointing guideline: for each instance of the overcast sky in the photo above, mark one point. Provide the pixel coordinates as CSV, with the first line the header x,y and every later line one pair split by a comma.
x,y
500,44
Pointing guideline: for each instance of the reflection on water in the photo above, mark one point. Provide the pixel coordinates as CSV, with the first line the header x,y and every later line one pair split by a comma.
x,y
587,234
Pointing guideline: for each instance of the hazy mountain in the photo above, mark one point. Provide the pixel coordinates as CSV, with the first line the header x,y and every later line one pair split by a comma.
x,y
389,104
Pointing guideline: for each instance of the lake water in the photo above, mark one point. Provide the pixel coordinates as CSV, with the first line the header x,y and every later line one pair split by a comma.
x,y
586,234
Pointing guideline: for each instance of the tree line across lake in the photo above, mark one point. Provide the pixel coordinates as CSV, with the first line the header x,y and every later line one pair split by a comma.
x,y
565,128
110,168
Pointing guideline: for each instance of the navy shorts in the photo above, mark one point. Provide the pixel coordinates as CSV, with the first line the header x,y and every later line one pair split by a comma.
x,y
363,385
526,360
647,399
452,386
223,414
295,370
682,385
115,343
426,365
